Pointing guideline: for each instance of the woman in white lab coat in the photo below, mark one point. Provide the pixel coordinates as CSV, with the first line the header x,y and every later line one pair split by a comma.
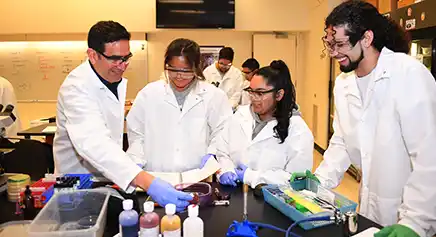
x,y
268,140
174,123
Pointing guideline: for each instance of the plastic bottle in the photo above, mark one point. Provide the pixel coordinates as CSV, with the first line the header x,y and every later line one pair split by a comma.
x,y
128,220
149,221
193,225
170,224
28,201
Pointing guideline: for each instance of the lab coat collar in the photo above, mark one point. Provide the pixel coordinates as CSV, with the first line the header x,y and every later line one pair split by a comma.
x,y
248,122
194,97
227,75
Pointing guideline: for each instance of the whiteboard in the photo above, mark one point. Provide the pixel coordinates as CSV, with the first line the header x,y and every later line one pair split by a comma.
x,y
37,69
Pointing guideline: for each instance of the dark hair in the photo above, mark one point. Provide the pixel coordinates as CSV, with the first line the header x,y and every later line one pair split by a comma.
x,y
106,32
358,16
226,53
278,76
251,64
186,48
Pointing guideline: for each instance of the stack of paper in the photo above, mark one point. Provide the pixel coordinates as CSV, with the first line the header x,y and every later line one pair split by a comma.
x,y
49,129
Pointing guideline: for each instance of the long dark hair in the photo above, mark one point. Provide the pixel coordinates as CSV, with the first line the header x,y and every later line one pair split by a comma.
x,y
278,76
188,49
359,16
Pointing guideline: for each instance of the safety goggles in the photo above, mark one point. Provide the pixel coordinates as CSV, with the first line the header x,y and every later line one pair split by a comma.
x,y
117,59
224,65
183,73
258,94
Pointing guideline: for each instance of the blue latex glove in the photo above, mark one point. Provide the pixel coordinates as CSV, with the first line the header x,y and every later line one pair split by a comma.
x,y
163,193
240,171
204,159
229,178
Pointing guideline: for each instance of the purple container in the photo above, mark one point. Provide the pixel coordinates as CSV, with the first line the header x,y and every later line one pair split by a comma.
x,y
203,190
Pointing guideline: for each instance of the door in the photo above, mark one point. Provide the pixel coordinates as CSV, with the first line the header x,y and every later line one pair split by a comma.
x,y
269,46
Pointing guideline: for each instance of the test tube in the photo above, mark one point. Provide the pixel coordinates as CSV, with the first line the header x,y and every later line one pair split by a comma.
x,y
245,190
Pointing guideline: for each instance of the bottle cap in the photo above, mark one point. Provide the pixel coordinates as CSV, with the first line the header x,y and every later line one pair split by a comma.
x,y
170,209
148,207
128,204
193,210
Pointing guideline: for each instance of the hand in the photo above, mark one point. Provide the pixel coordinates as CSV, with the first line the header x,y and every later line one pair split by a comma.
x,y
396,230
163,193
301,175
240,171
204,159
229,178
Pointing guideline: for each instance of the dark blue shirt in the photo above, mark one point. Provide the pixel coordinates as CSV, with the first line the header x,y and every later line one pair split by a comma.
x,y
111,86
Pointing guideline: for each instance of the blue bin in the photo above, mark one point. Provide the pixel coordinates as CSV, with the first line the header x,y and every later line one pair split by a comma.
x,y
295,215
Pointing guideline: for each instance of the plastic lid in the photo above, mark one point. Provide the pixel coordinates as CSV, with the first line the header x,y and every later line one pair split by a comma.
x,y
148,206
193,210
128,204
170,209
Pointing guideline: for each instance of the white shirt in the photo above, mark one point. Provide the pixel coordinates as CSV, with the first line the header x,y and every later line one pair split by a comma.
x,y
7,97
362,83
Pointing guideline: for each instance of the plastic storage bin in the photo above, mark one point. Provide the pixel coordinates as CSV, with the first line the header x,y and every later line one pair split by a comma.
x,y
276,201
81,213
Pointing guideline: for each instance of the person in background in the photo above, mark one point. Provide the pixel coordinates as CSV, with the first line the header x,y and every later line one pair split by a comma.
x,y
385,121
225,76
249,68
174,123
268,140
90,118
7,97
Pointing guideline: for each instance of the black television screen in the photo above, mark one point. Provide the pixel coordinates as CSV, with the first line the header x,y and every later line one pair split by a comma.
x,y
195,14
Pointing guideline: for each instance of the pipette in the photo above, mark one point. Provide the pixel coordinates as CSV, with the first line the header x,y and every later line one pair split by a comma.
x,y
245,191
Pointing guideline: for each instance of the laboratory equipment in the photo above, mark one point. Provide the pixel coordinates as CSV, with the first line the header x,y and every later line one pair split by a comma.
x,y
245,192
128,220
16,184
81,213
29,204
193,226
202,192
149,221
170,224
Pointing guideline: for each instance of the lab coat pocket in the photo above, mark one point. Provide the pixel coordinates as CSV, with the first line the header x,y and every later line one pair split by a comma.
x,y
383,210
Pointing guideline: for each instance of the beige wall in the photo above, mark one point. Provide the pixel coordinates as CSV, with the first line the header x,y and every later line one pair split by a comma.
x,y
76,16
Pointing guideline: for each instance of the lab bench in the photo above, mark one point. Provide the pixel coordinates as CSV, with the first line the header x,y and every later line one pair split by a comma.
x,y
218,219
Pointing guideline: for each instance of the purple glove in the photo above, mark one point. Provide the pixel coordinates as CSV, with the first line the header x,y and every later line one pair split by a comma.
x,y
204,159
229,178
240,171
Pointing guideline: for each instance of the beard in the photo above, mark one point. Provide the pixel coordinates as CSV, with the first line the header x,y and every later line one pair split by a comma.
x,y
353,64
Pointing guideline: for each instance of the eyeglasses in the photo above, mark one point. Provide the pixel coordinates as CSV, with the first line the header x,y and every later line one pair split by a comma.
x,y
183,73
117,59
258,94
339,46
225,65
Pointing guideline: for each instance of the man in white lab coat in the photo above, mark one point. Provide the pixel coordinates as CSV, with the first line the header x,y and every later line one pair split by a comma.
x,y
249,68
225,76
90,118
385,121
7,97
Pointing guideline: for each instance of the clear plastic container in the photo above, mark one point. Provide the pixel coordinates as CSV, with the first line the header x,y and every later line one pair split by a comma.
x,y
81,213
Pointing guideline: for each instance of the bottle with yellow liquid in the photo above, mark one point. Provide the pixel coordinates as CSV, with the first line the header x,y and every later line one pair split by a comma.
x,y
170,224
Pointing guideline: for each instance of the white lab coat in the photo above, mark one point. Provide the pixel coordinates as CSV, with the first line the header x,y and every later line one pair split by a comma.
x,y
166,138
391,137
90,124
231,83
245,97
7,97
268,160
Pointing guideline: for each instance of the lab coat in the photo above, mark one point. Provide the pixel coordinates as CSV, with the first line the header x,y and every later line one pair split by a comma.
x,y
391,137
245,97
167,138
7,97
231,83
90,124
268,160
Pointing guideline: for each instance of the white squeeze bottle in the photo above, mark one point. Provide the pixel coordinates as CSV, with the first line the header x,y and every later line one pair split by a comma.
x,y
193,225
149,221
170,224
